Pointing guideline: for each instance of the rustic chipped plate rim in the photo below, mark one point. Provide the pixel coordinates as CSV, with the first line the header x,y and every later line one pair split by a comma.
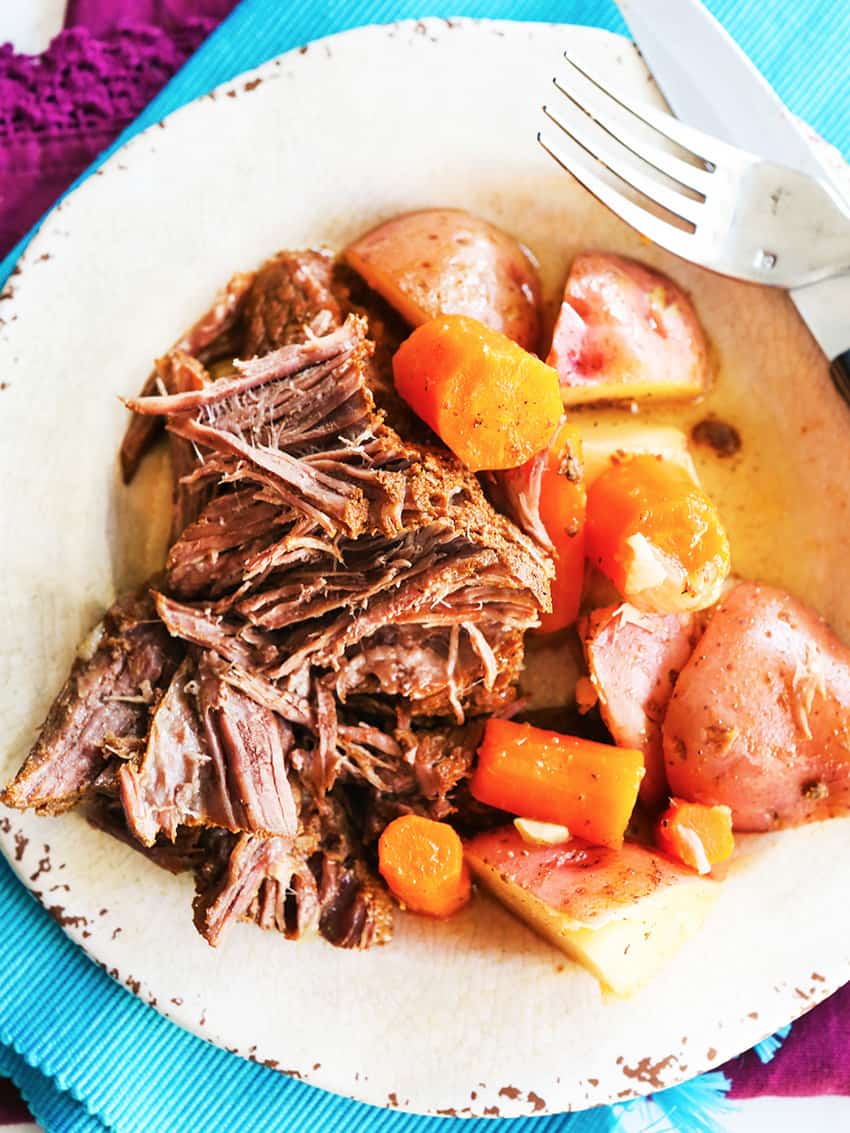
x,y
526,1032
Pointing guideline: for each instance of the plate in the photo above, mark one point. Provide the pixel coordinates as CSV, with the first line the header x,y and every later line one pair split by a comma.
x,y
475,1016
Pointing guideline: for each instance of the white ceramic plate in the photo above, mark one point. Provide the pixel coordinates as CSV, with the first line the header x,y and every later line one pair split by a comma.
x,y
475,1016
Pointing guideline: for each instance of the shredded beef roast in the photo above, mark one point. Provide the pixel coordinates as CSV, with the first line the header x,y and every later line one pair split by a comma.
x,y
340,608
179,372
209,339
290,300
387,330
314,881
405,583
190,851
104,709
213,758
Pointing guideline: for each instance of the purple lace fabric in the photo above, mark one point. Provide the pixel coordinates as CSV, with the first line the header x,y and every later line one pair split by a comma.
x,y
60,109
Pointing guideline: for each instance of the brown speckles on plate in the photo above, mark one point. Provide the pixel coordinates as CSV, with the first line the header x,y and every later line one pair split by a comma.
x,y
537,1103
44,865
252,84
649,1072
66,919
509,1092
21,842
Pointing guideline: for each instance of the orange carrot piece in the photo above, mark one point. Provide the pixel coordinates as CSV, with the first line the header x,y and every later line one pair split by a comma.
x,y
494,404
422,863
562,504
588,787
700,836
656,535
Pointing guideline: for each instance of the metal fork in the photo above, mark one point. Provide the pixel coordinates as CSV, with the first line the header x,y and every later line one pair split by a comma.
x,y
715,205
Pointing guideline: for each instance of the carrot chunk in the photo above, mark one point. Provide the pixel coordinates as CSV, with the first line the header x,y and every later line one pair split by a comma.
x,y
494,404
422,863
698,835
588,787
656,535
551,486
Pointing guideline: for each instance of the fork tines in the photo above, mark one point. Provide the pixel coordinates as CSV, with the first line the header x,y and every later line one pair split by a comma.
x,y
599,131
718,206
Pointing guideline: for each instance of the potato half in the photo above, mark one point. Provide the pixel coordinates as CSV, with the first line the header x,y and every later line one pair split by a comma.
x,y
449,262
620,913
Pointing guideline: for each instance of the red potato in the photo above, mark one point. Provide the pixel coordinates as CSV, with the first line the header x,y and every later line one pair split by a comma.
x,y
620,913
449,262
634,659
625,331
759,719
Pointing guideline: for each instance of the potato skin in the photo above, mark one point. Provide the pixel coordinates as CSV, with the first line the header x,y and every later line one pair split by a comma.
x,y
622,914
586,884
625,331
759,719
634,659
449,262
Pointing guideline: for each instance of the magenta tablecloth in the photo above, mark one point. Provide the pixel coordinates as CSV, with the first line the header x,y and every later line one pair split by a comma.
x,y
60,109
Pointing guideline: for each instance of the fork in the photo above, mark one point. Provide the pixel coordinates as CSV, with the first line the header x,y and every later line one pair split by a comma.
x,y
716,205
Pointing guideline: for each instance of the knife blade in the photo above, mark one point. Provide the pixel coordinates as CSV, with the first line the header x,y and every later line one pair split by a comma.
x,y
711,83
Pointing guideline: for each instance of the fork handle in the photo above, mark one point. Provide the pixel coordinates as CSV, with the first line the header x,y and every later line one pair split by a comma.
x,y
840,370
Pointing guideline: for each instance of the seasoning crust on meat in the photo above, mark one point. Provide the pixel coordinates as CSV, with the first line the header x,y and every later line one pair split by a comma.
x,y
339,606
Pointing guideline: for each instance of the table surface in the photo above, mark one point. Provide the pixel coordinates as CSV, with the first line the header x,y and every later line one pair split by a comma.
x,y
29,25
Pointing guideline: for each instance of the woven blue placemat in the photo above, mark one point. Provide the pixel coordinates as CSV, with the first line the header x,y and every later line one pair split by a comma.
x,y
84,1052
